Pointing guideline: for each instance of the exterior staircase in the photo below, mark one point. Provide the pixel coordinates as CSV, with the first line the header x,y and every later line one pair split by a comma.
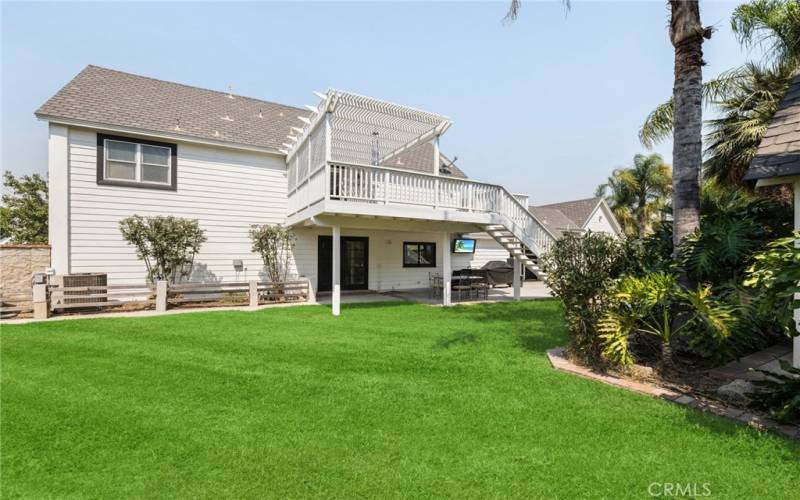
x,y
516,248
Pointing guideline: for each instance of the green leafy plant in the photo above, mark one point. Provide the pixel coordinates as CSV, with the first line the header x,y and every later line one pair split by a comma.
x,y
779,394
23,216
274,243
167,245
649,305
775,274
580,271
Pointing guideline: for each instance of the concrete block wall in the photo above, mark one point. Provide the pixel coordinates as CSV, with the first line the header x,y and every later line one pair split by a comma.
x,y
18,264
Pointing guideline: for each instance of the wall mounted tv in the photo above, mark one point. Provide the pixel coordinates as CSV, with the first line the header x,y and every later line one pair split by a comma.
x,y
463,245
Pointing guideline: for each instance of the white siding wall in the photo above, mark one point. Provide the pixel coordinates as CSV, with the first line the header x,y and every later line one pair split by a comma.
x,y
386,271
486,249
225,190
599,223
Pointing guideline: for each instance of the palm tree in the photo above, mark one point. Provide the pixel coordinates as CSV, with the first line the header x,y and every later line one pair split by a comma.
x,y
638,194
771,24
748,96
687,35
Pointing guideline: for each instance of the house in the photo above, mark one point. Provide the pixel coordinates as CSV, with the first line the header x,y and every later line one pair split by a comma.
x,y
590,214
374,203
777,161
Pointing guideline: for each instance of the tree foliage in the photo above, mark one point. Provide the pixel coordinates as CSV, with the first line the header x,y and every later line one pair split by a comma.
x,y
23,216
167,245
638,194
745,98
274,243
580,270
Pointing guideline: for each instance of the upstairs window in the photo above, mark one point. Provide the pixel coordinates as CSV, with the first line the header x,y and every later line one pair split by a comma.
x,y
123,161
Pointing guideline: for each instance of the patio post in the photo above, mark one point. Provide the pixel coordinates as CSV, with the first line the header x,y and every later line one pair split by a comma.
x,y
335,293
517,272
446,269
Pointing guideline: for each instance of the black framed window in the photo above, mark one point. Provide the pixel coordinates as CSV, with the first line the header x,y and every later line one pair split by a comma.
x,y
419,254
125,161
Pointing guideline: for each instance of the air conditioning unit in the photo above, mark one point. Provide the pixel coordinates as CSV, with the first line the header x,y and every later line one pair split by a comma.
x,y
80,280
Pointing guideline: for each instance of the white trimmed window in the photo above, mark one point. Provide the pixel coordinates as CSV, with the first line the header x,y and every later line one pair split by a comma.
x,y
131,162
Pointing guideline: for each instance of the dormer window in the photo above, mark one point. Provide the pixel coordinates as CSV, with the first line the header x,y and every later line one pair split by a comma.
x,y
124,161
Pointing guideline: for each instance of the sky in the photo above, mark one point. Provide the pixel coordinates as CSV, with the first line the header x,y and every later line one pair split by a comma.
x,y
548,105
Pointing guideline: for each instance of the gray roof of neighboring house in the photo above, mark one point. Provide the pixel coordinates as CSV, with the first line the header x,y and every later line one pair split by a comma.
x,y
577,211
554,219
108,97
419,158
114,98
778,154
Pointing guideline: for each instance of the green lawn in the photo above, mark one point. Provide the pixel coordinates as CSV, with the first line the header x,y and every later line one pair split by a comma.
x,y
390,400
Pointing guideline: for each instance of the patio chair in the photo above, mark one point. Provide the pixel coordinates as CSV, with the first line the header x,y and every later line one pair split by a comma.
x,y
435,282
480,287
460,287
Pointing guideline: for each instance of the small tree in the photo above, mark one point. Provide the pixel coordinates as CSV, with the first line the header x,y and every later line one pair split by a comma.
x,y
274,243
167,245
580,271
24,212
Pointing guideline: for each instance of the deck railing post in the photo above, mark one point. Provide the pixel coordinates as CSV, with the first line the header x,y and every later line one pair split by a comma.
x,y
41,308
161,296
253,294
386,187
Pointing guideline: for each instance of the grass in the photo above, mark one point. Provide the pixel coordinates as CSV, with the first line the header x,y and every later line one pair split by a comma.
x,y
389,400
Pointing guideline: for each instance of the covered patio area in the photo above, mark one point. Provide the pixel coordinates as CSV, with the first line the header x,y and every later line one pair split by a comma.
x,y
531,290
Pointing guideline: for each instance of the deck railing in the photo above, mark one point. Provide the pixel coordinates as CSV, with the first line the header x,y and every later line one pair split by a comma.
x,y
384,185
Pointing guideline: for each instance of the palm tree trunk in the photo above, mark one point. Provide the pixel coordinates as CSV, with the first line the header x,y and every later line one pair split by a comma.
x,y
641,217
686,34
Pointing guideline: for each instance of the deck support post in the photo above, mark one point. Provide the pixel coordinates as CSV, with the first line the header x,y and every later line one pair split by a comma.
x,y
447,271
161,296
517,278
41,308
337,254
253,294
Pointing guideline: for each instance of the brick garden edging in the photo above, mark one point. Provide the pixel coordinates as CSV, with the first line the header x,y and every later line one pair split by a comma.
x,y
559,361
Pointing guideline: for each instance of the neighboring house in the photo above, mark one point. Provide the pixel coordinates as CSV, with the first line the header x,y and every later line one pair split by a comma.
x,y
777,161
590,214
374,203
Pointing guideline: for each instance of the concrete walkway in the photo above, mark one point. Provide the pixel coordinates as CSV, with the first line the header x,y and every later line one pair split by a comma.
x,y
767,359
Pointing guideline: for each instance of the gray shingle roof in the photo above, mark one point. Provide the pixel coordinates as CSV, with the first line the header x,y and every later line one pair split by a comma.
x,y
418,159
779,152
108,97
577,211
104,96
554,219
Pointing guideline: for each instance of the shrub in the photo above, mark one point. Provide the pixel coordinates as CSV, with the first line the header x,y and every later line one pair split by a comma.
x,y
775,274
167,245
581,269
274,243
23,215
655,306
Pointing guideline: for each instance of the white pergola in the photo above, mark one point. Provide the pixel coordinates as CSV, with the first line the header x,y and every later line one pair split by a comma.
x,y
354,129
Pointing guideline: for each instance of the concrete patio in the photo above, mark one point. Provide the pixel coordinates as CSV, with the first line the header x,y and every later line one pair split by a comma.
x,y
531,290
